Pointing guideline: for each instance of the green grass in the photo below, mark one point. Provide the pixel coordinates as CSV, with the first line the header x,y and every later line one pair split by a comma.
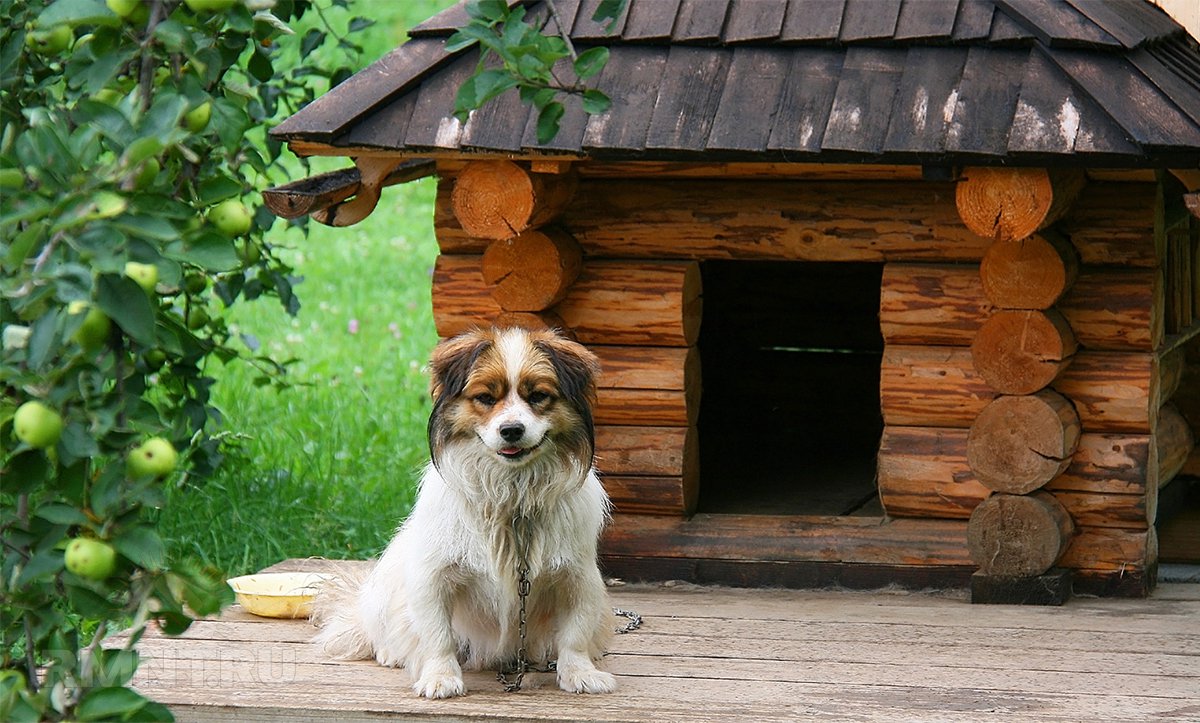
x,y
328,466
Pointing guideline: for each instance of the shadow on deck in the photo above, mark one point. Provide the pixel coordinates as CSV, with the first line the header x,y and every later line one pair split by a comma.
x,y
719,654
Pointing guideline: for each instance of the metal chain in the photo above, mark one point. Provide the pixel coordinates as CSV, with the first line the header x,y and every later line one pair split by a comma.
x,y
522,666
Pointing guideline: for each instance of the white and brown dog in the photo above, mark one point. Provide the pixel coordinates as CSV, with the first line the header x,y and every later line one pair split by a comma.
x,y
511,438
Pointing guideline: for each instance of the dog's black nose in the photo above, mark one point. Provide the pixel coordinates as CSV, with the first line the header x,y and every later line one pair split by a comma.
x,y
512,432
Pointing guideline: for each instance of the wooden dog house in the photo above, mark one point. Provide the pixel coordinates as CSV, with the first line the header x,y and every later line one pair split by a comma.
x,y
948,276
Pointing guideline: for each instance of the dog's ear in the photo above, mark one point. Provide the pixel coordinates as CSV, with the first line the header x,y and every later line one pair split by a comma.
x,y
576,369
451,363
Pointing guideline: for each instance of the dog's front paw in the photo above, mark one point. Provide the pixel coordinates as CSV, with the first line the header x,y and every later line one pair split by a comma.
x,y
441,681
586,680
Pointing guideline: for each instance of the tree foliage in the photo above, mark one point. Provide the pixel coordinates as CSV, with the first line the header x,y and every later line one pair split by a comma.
x,y
130,147
535,56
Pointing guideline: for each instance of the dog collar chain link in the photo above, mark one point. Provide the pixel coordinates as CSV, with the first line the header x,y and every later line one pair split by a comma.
x,y
522,666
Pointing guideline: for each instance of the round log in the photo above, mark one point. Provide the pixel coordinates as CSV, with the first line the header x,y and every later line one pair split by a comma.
x,y
1173,443
1018,444
1018,535
499,199
1011,203
533,271
1020,352
534,321
1029,273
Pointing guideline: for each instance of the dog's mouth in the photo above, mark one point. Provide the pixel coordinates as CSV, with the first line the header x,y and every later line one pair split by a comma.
x,y
516,453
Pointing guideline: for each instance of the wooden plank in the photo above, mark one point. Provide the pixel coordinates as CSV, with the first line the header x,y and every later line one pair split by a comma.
x,y
937,386
362,92
638,218
692,84
700,21
974,20
869,20
926,20
923,472
641,367
803,110
386,127
862,104
1112,224
1117,310
651,495
1008,32
650,21
585,28
1134,102
499,125
815,20
1179,90
633,77
754,20
646,451
653,407
1058,24
1115,18
756,77
432,124
925,98
612,302
572,125
987,98
1051,117
739,170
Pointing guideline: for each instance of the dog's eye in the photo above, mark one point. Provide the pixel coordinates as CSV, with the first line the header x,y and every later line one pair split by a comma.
x,y
538,397
486,400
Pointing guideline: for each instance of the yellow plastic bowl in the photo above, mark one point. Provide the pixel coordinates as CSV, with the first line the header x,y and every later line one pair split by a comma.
x,y
278,594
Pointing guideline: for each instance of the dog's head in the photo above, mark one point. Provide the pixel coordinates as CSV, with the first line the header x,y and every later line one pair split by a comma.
x,y
519,394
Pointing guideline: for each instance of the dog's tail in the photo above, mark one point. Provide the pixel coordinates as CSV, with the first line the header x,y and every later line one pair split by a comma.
x,y
336,612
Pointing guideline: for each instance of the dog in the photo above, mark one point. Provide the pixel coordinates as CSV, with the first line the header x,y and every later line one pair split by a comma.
x,y
511,442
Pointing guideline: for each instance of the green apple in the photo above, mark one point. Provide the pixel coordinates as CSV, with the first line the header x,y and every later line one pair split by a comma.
x,y
37,425
124,8
50,42
249,252
154,359
197,118
95,328
195,283
209,6
155,457
146,275
90,558
197,318
231,217
146,174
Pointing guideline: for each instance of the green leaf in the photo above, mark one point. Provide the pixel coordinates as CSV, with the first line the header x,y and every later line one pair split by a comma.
x,y
595,102
41,564
491,83
590,62
209,250
260,67
109,703
127,305
77,12
114,667
217,188
152,228
609,10
231,122
488,10
61,514
143,547
547,123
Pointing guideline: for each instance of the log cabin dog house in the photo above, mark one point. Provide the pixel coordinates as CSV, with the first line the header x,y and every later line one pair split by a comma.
x,y
948,272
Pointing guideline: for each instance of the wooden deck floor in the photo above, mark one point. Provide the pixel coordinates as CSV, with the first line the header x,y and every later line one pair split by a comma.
x,y
706,654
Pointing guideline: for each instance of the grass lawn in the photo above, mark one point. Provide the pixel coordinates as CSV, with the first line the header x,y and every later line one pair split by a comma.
x,y
328,466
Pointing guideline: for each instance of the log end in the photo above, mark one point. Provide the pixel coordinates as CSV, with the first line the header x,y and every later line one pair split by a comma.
x,y
1018,535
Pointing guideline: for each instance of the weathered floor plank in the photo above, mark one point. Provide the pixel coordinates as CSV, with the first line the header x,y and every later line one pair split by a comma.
x,y
739,655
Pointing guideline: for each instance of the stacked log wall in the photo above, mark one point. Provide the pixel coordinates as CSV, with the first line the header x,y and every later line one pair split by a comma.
x,y
637,302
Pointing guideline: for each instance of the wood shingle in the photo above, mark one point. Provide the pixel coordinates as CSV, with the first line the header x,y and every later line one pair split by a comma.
x,y
901,81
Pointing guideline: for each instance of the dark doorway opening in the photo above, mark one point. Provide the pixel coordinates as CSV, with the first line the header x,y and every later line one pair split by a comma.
x,y
790,421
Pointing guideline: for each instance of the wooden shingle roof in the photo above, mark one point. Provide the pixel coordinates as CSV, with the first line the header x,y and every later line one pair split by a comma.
x,y
1048,82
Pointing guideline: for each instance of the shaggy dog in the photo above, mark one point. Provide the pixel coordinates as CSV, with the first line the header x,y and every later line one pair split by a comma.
x,y
511,440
